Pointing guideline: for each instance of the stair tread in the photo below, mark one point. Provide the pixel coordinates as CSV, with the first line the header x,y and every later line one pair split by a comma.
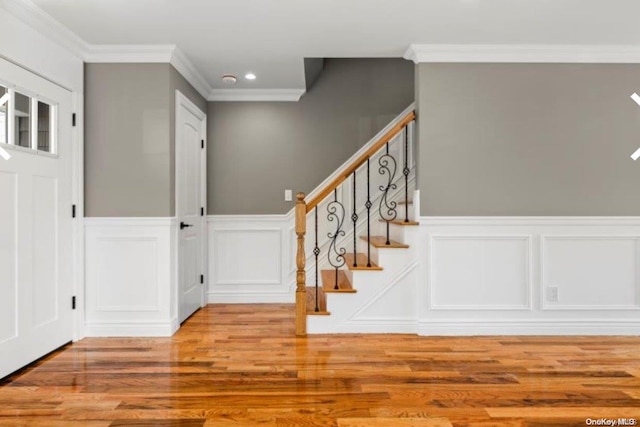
x,y
381,242
402,202
311,301
401,222
361,261
329,282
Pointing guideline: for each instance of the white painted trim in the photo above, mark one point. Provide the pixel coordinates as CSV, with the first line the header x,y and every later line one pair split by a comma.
x,y
253,298
269,285
531,53
622,221
290,95
379,326
185,67
132,329
548,306
77,180
182,101
352,318
246,218
129,53
129,221
275,230
527,306
150,54
32,15
590,326
109,310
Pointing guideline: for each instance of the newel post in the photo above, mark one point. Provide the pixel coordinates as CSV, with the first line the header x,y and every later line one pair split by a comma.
x,y
301,291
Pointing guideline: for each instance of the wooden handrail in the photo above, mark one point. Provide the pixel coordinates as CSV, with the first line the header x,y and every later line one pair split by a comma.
x,y
360,161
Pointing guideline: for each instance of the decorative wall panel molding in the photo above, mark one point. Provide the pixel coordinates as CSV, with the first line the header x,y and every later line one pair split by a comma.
x,y
130,277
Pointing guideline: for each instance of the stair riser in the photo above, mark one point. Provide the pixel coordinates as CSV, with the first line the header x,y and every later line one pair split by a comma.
x,y
362,247
403,233
360,278
394,260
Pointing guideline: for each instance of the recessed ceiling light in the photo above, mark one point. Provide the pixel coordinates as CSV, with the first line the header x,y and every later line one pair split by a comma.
x,y
250,76
229,79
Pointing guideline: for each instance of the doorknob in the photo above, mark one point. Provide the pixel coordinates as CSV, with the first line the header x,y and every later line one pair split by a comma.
x,y
183,225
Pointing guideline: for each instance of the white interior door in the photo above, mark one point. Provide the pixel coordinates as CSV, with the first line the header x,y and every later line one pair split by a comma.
x,y
35,218
190,201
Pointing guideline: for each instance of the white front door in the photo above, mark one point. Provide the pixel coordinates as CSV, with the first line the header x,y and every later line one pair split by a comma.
x,y
35,218
190,200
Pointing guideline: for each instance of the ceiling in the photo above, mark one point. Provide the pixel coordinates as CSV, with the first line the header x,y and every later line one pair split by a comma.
x,y
271,37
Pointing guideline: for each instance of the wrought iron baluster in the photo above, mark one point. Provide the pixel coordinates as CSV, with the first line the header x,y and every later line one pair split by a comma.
x,y
316,252
354,218
368,206
335,255
388,210
406,171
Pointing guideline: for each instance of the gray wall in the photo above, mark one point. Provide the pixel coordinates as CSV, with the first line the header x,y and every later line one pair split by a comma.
x,y
259,149
528,139
129,138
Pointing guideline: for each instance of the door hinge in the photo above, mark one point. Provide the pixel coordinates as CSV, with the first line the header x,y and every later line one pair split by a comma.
x,y
201,211
73,211
202,143
73,303
202,278
73,119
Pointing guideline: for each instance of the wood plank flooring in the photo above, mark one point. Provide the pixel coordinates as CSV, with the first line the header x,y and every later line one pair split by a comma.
x,y
241,365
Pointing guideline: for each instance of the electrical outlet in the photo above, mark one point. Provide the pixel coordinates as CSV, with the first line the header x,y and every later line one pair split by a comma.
x,y
288,195
552,294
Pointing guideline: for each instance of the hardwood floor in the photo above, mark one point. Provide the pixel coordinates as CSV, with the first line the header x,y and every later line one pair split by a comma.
x,y
241,365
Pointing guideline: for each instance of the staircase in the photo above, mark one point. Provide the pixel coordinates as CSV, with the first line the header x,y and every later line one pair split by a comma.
x,y
356,237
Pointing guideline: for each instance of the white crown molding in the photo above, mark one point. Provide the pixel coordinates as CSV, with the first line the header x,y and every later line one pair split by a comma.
x,y
290,95
38,19
150,54
615,54
129,53
185,67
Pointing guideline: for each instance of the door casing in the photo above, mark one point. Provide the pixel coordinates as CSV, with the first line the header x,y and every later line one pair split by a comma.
x,y
183,102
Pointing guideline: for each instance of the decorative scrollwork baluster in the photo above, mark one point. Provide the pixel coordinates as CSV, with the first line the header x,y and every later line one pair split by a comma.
x,y
354,218
388,211
335,255
368,205
316,252
406,172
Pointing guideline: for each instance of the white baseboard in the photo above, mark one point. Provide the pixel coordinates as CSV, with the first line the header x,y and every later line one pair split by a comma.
x,y
528,327
250,298
129,329
383,326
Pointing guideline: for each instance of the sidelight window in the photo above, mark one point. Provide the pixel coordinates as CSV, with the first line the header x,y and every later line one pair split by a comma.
x,y
27,121
22,123
4,111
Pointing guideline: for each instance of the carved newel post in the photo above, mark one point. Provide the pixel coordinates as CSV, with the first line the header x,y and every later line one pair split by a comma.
x,y
301,291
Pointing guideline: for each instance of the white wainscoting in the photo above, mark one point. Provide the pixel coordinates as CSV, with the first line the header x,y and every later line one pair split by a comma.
x,y
130,277
249,259
495,275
